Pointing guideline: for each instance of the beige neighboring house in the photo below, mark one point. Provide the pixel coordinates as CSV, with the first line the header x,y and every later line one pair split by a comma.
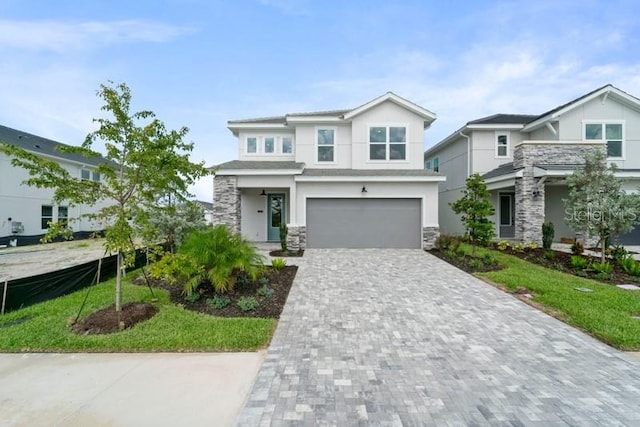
x,y
207,209
525,159
348,178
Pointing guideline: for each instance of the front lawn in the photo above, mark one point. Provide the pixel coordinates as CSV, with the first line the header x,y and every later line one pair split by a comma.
x,y
44,327
607,313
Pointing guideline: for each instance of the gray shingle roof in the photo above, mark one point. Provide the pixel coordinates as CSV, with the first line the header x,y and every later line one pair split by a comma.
x,y
504,119
568,166
45,146
269,120
368,172
255,165
503,169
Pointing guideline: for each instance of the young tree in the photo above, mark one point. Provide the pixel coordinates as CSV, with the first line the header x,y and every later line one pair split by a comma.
x,y
144,161
597,205
475,208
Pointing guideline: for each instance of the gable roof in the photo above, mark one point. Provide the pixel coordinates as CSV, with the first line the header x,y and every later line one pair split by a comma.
x,y
39,145
504,119
329,116
604,91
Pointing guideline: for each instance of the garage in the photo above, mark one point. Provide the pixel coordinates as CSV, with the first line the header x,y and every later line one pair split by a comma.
x,y
364,223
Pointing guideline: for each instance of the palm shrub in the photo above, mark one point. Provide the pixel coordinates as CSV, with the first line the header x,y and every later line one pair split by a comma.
x,y
222,255
578,262
630,265
547,235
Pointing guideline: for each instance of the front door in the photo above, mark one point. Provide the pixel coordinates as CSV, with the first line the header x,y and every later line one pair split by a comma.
x,y
507,215
275,216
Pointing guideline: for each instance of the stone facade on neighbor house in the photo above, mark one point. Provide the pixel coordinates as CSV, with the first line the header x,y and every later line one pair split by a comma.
x,y
525,159
226,209
340,178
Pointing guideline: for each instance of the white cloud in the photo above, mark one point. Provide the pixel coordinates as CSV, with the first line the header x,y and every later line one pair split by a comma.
x,y
59,36
290,7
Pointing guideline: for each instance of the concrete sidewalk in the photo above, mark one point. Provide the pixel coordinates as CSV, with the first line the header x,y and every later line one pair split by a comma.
x,y
159,389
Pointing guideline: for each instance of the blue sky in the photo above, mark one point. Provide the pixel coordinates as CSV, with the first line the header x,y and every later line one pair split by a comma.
x,y
199,63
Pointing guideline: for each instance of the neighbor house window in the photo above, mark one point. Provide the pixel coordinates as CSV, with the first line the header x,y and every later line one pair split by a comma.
x,y
95,176
46,214
85,174
269,144
326,145
252,145
427,165
387,143
612,133
287,145
436,164
63,215
502,144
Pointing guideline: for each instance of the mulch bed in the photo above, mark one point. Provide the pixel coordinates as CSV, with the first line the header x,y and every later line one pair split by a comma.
x,y
464,264
281,253
105,321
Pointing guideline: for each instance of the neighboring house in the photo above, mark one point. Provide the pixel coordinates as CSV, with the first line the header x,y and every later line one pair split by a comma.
x,y
349,178
207,208
525,159
25,211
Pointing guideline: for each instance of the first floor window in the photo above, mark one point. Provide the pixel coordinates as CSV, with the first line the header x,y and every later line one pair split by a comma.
x,y
85,174
252,144
387,143
502,145
46,215
612,133
63,215
269,144
287,145
326,145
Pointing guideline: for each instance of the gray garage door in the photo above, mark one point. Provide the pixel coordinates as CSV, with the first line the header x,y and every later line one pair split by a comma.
x,y
364,223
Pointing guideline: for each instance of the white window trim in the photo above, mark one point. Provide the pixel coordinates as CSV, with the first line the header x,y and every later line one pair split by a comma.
x,y
436,160
246,145
335,144
604,135
497,135
388,143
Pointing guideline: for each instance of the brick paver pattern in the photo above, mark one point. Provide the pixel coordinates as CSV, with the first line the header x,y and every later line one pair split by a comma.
x,y
399,337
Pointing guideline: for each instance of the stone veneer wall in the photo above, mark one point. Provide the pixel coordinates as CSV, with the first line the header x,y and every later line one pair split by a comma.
x,y
529,208
429,237
296,237
226,202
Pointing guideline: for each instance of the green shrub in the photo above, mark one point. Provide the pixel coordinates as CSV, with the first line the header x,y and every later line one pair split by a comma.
x,y
619,252
248,303
531,246
447,241
242,280
577,248
602,276
175,268
221,254
630,265
518,247
476,264
192,297
547,235
265,291
219,301
549,254
489,259
602,267
558,266
578,262
451,254
284,231
278,263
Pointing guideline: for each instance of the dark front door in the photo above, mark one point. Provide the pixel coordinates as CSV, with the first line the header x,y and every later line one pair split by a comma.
x,y
275,216
507,212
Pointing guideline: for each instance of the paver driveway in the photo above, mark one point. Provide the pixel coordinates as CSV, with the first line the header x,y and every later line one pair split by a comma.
x,y
398,337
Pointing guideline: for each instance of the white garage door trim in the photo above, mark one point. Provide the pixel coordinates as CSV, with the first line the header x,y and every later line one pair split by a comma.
x,y
364,223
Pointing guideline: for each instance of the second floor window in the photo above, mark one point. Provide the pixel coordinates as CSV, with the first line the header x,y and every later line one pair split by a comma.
x,y
387,143
252,145
326,145
88,175
436,164
502,145
609,132
287,145
269,144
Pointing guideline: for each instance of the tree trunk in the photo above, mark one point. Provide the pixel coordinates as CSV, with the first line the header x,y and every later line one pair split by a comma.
x,y
119,290
603,248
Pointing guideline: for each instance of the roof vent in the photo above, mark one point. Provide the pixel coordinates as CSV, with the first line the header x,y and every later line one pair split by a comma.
x,y
37,146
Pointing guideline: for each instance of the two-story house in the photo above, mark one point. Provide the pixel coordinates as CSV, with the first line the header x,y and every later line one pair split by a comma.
x,y
525,159
338,179
26,211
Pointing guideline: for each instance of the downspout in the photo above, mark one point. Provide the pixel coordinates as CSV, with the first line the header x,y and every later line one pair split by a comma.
x,y
468,153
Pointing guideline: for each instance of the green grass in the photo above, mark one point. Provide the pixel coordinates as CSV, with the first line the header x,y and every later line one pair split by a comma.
x,y
171,329
604,313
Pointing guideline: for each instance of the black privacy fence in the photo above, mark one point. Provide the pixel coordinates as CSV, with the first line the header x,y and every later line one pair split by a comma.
x,y
27,291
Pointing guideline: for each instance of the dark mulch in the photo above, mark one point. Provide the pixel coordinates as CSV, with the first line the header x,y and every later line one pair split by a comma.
x,y
287,253
269,307
562,261
464,263
105,321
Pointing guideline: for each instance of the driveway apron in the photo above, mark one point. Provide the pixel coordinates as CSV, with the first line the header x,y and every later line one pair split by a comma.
x,y
399,337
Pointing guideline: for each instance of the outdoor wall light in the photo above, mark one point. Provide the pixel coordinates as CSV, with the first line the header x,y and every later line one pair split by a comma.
x,y
536,193
364,189
263,193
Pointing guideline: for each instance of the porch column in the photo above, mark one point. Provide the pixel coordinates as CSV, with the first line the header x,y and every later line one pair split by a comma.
x,y
226,202
530,200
